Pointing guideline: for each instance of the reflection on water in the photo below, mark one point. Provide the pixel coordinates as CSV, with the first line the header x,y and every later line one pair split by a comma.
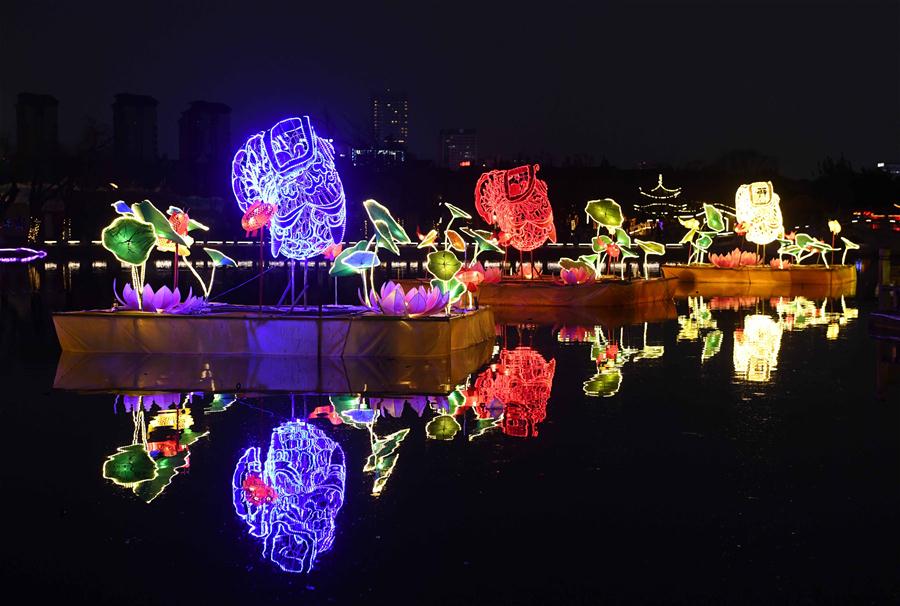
x,y
292,497
756,348
519,384
158,449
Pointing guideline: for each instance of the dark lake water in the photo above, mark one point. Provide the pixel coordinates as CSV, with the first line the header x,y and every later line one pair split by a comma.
x,y
739,450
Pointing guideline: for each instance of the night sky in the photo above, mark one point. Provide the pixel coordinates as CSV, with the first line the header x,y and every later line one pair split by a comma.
x,y
669,82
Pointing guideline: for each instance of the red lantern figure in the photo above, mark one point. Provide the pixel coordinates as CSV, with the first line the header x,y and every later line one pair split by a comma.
x,y
521,382
257,216
516,202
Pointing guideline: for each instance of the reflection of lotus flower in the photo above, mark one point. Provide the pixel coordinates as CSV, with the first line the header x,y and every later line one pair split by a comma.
x,y
780,264
420,301
492,275
735,258
162,400
471,275
578,274
574,334
161,301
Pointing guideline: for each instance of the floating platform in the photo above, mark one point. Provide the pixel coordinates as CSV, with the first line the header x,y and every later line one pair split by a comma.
x,y
240,349
608,317
834,278
326,332
550,293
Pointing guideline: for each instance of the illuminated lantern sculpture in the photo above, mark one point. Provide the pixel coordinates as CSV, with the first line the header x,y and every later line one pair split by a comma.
x,y
516,201
292,169
758,208
291,499
520,381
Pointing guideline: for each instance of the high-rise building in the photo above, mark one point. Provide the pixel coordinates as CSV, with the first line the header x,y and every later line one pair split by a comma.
x,y
204,133
37,128
204,146
134,129
459,147
390,120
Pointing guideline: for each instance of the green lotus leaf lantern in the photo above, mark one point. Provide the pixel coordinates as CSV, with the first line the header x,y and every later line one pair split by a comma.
x,y
622,237
650,248
385,224
457,213
703,242
219,258
443,264
382,228
453,287
606,213
339,268
129,239
484,240
146,211
362,259
714,218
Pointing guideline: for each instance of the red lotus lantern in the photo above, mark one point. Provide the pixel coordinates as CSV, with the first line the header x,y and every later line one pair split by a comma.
x,y
516,202
179,221
257,216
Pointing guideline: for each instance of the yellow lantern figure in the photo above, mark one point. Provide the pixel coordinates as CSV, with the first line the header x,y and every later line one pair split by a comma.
x,y
758,207
756,348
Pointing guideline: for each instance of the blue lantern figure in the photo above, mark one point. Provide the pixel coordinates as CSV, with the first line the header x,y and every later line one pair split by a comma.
x,y
291,168
291,499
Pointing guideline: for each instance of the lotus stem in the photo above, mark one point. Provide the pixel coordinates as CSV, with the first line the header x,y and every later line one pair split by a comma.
x,y
646,271
844,257
199,279
138,289
212,277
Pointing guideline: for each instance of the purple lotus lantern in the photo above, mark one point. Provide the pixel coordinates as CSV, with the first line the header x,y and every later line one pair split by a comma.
x,y
392,300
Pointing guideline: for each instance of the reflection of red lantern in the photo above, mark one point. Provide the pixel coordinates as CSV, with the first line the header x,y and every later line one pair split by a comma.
x,y
520,382
516,201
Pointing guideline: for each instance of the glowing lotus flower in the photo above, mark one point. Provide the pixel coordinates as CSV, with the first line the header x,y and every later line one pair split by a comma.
x,y
578,274
740,229
161,301
471,276
780,264
735,258
612,249
492,275
834,227
420,301
791,235
333,250
179,221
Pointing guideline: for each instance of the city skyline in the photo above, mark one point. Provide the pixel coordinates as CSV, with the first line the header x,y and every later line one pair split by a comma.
x,y
669,85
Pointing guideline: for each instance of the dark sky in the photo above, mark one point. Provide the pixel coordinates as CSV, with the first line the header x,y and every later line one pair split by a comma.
x,y
632,81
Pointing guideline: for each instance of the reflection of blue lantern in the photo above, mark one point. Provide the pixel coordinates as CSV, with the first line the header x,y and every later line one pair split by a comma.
x,y
292,498
292,168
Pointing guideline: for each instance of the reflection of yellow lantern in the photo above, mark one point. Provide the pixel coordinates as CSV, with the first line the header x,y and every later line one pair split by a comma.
x,y
756,348
832,332
758,207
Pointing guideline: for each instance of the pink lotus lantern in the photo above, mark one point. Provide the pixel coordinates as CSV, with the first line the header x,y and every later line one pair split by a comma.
x,y
492,275
735,258
578,274
471,275
420,301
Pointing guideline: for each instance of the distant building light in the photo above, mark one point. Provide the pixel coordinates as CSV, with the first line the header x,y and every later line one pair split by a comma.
x,y
465,163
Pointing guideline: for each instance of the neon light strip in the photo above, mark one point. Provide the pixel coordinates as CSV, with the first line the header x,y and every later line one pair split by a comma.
x,y
21,255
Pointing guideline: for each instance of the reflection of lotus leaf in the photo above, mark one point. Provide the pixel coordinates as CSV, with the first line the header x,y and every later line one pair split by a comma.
x,y
442,427
443,264
129,239
606,212
712,343
130,465
604,384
